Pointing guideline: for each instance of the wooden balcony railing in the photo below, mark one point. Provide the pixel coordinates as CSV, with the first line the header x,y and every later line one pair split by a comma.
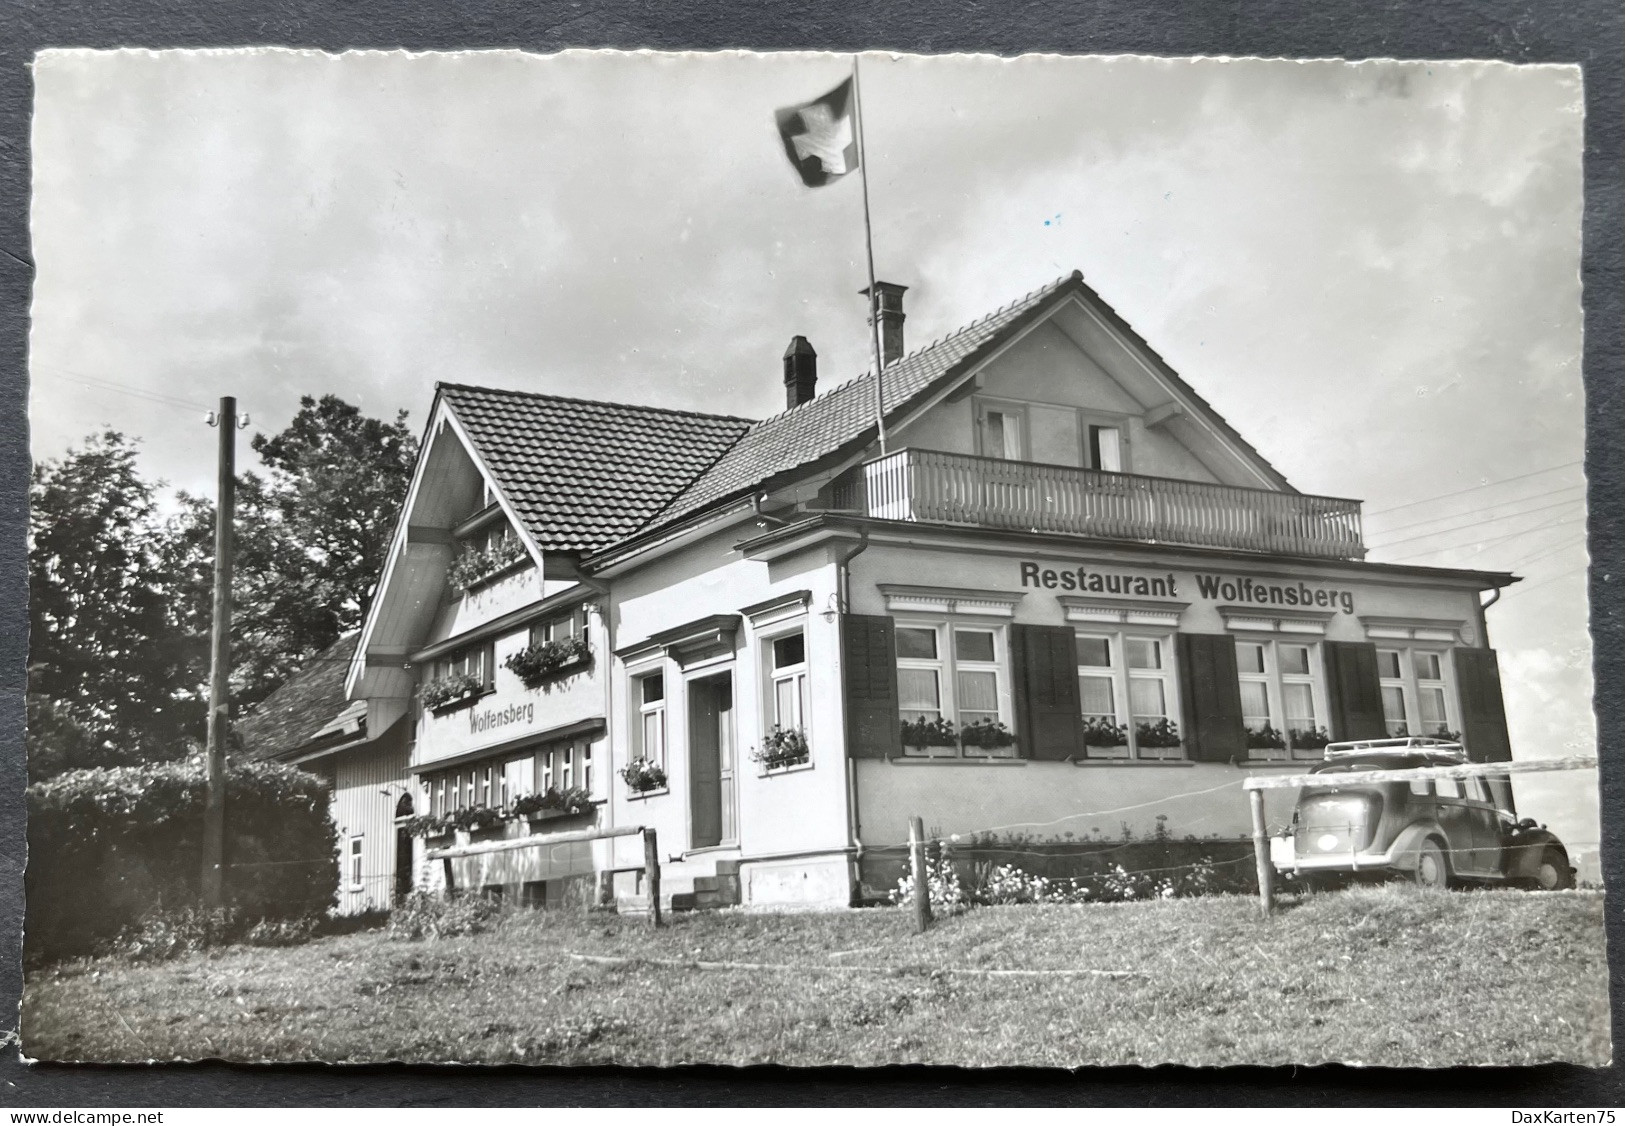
x,y
946,488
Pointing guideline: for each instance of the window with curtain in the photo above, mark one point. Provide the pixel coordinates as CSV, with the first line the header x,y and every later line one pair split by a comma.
x,y
1126,694
1282,698
955,672
649,692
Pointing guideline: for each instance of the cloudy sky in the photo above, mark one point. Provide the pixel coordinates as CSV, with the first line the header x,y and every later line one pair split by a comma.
x,y
1372,270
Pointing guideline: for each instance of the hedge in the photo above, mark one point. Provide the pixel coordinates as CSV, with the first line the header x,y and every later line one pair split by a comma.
x,y
110,847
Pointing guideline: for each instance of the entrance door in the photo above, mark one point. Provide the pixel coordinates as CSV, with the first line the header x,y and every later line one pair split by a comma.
x,y
711,761
403,865
403,850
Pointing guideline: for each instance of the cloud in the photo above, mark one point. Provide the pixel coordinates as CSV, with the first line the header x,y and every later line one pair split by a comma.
x,y
1370,269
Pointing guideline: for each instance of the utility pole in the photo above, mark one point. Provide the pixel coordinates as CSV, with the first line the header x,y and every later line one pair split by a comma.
x,y
214,802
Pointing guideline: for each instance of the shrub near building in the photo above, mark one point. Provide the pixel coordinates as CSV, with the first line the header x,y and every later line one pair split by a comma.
x,y
109,849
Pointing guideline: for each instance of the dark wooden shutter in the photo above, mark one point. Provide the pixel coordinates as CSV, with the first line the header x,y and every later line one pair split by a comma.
x,y
1354,695
1210,690
869,664
1045,670
1483,713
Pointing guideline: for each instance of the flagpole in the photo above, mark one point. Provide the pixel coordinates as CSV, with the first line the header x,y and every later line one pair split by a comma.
x,y
869,248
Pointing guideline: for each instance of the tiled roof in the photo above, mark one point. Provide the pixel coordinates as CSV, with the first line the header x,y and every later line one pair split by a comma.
x,y
295,713
815,429
583,474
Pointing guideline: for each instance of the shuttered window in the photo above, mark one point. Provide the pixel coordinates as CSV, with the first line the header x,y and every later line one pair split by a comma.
x,y
1048,701
953,690
1128,696
1210,694
1282,699
1483,712
1416,696
869,683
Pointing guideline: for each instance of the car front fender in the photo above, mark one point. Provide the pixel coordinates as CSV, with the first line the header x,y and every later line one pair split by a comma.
x,y
1523,849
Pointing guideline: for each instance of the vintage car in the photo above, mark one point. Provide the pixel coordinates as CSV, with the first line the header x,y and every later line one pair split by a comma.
x,y
1439,832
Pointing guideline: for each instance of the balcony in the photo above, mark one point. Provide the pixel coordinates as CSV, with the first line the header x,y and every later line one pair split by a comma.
x,y
945,488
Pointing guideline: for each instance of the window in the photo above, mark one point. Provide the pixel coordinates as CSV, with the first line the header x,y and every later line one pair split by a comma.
x,y
559,629
476,661
1415,699
518,778
1003,433
1106,448
493,538
953,673
564,766
650,694
1126,690
787,658
355,860
1282,699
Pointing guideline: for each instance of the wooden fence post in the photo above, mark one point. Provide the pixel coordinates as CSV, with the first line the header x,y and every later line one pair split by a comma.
x,y
922,883
1261,854
651,875
451,882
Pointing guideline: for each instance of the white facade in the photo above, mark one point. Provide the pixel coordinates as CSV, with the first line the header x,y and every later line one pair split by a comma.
x,y
1065,554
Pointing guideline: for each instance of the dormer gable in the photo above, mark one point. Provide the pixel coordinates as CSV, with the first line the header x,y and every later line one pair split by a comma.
x,y
458,536
1076,387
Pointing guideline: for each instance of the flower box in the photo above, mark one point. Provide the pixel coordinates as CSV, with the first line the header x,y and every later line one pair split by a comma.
x,y
1308,739
1265,738
782,749
642,776
542,661
452,692
986,735
1162,734
473,567
923,734
1103,733
553,803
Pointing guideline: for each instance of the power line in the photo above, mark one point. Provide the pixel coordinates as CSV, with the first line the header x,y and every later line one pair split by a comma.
x,y
1528,560
105,384
1494,539
1473,511
1475,488
1480,523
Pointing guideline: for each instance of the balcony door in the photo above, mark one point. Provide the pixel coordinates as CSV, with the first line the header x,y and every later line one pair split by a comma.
x,y
711,766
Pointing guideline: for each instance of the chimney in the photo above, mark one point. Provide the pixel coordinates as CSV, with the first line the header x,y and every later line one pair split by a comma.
x,y
800,372
890,300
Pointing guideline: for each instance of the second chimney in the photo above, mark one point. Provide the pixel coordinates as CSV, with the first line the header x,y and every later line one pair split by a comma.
x,y
889,298
800,372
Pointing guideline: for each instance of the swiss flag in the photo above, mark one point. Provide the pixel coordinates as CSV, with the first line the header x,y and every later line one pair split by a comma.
x,y
819,138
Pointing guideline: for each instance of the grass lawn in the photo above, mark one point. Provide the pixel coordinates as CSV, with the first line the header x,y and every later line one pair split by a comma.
x,y
1388,975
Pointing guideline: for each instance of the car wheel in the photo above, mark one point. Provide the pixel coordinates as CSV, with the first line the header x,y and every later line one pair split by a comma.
x,y
1553,873
1432,870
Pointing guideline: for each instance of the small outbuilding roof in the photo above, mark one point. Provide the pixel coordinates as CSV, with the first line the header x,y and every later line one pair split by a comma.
x,y
308,707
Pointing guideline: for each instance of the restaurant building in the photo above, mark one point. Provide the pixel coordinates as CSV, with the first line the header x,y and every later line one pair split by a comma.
x,y
1066,598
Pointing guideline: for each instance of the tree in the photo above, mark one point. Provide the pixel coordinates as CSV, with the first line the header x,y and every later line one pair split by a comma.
x,y
312,535
111,677
121,600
